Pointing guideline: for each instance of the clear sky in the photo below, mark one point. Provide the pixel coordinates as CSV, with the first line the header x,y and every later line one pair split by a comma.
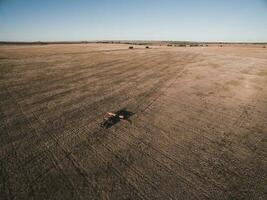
x,y
182,20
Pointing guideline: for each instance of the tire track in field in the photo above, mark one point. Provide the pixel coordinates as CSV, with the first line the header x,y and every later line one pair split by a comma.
x,y
81,113
82,97
213,127
111,94
164,134
145,96
72,74
20,167
94,136
55,160
91,67
135,169
77,165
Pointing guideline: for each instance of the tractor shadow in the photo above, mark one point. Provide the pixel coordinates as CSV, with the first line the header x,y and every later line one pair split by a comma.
x,y
110,121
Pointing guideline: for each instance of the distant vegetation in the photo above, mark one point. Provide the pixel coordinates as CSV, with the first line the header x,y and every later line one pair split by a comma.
x,y
145,43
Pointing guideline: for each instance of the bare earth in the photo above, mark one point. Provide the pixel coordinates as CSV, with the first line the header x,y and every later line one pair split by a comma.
x,y
199,129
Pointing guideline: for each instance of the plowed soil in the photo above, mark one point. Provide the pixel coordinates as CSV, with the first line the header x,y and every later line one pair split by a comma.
x,y
198,129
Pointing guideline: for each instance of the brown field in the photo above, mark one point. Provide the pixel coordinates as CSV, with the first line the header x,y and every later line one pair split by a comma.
x,y
199,129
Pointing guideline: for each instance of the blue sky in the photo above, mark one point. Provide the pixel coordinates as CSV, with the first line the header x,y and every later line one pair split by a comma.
x,y
183,20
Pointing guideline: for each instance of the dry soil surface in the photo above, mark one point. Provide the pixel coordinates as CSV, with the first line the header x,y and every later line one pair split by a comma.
x,y
199,129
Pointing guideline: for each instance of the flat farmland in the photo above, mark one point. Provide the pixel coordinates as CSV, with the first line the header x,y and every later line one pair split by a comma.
x,y
198,129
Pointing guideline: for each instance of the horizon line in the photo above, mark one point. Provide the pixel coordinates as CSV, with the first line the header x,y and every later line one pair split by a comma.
x,y
110,40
